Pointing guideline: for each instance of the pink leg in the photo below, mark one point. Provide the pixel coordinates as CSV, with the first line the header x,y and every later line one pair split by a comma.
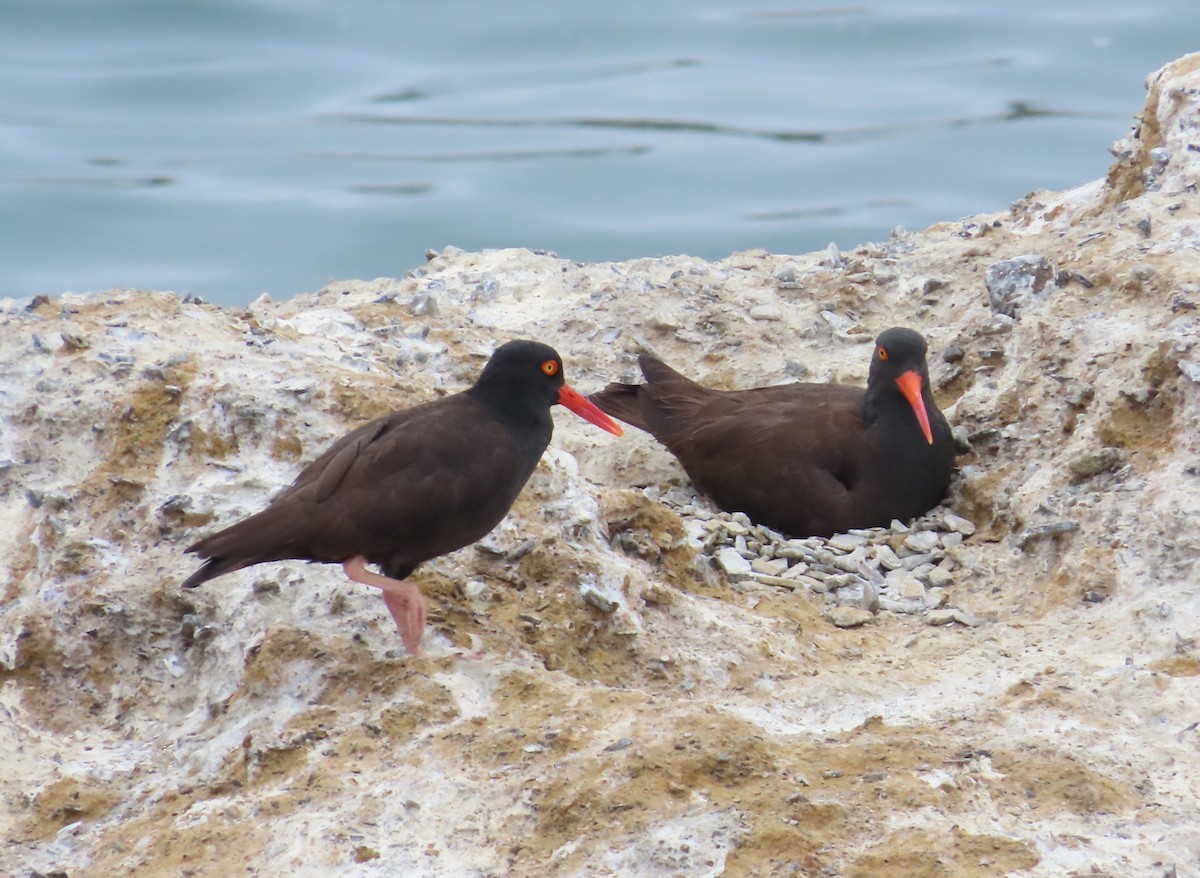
x,y
404,601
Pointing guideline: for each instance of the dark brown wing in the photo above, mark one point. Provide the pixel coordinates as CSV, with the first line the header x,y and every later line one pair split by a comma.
x,y
790,456
400,490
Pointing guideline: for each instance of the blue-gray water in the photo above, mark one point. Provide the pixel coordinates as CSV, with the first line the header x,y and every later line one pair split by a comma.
x,y
230,148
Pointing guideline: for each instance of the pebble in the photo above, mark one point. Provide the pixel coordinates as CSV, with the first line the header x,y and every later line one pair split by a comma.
x,y
905,585
885,556
771,567
947,616
848,617
812,584
847,542
912,562
958,524
922,571
870,597
939,578
908,608
781,582
766,312
600,602
1045,530
922,541
732,563
850,563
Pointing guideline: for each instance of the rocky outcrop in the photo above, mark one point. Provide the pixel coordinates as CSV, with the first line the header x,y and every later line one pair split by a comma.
x,y
1030,708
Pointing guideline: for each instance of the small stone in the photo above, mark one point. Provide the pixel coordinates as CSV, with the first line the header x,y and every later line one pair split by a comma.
x,y
778,581
922,541
734,528
870,597
773,567
952,540
766,312
1045,530
951,615
824,557
812,584
907,608
885,556
905,585
939,578
1092,463
732,564
847,542
73,342
922,571
958,524
850,563
266,586
898,527
658,595
476,590
848,617
844,580
600,602
912,562
935,597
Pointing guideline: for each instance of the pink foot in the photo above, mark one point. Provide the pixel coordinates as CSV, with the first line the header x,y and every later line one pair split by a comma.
x,y
403,599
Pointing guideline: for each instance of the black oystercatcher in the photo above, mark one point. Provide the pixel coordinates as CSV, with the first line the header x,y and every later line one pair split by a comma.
x,y
804,459
412,485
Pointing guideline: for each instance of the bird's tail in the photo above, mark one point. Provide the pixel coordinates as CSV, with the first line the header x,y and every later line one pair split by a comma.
x,y
211,569
266,536
621,402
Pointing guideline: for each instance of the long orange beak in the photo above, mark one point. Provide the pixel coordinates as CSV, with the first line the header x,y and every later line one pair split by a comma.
x,y
588,410
910,385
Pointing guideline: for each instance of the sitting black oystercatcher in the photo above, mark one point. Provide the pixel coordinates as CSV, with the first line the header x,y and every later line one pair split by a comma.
x,y
412,485
804,459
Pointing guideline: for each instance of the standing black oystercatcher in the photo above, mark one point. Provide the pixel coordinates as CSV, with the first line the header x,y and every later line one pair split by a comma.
x,y
804,459
412,485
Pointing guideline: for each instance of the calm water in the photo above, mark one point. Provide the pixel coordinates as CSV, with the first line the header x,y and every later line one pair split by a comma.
x,y
231,148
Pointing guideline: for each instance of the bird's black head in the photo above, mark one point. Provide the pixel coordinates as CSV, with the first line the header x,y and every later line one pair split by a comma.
x,y
528,371
898,350
524,378
898,367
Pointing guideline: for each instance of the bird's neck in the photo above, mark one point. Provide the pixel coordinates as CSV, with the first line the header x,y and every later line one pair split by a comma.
x,y
884,407
516,410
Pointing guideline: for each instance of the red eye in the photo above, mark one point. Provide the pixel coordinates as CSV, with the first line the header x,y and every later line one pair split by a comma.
x,y
883,354
550,367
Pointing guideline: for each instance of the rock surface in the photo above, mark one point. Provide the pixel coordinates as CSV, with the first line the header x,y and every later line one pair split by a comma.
x,y
1028,707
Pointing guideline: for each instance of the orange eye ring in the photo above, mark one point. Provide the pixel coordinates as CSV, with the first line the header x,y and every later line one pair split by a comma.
x,y
883,354
550,367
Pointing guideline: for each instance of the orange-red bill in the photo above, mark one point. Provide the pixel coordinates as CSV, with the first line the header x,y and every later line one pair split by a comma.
x,y
910,385
588,410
